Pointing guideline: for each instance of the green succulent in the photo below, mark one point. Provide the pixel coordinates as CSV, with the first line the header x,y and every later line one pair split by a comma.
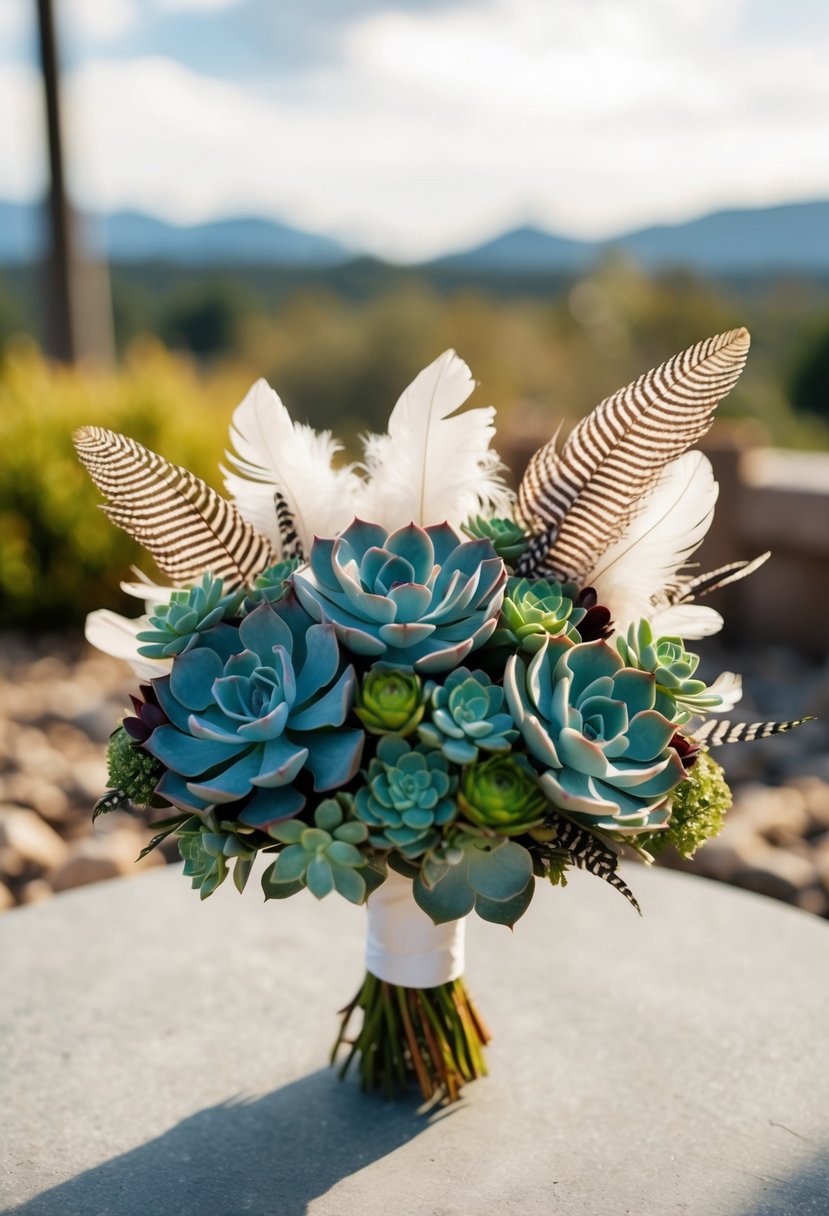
x,y
132,770
698,809
176,625
508,539
323,858
271,585
502,794
207,850
467,716
679,694
406,798
492,876
534,610
389,702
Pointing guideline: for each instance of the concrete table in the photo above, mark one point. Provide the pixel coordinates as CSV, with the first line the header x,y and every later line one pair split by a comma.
x,y
164,1056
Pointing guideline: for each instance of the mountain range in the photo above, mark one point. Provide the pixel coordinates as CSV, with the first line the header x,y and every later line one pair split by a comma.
x,y
793,236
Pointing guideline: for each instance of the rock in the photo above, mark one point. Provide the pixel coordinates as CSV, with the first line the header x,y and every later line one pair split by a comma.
x,y
777,873
95,858
26,839
6,898
26,789
35,891
779,815
815,795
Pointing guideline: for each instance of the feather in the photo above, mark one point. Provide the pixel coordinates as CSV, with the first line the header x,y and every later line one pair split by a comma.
x,y
432,467
633,573
144,588
715,733
586,852
183,523
705,584
585,496
272,454
117,636
729,687
688,621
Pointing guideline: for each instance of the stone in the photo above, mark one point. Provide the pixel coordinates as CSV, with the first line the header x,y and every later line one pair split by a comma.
x,y
95,858
35,891
49,800
815,795
776,872
6,898
26,840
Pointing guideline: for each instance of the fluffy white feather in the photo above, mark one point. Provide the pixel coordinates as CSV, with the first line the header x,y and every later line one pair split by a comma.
x,y
687,621
729,686
116,635
633,572
273,453
431,467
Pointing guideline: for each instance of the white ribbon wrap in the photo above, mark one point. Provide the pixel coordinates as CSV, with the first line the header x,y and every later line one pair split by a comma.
x,y
404,946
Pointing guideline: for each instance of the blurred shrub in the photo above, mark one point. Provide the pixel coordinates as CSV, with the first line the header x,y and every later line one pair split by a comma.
x,y
809,381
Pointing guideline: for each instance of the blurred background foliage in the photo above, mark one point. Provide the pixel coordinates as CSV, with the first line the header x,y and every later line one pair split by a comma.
x,y
339,345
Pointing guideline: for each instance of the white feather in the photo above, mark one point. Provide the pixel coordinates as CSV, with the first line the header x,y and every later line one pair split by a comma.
x,y
431,467
635,570
729,687
116,635
687,621
273,453
145,589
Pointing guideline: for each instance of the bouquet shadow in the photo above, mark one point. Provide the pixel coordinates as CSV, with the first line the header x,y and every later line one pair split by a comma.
x,y
268,1156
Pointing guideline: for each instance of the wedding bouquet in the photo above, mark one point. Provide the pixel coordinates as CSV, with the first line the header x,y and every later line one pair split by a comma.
x,y
404,684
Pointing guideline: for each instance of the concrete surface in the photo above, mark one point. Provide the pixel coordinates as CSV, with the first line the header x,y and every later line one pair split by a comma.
x,y
163,1056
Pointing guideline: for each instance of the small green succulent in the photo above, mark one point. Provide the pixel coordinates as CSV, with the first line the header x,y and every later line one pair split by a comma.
x,y
406,798
679,695
323,858
207,849
132,770
508,539
176,625
502,794
698,809
271,585
467,716
534,610
389,702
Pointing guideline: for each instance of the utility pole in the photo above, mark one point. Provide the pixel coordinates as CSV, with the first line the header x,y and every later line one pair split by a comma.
x,y
78,310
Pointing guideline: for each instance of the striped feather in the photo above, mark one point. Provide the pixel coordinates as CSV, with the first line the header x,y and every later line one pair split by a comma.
x,y
184,524
586,495
290,544
714,733
706,584
588,852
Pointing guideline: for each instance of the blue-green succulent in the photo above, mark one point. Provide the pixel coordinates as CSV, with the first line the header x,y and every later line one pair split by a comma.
x,y
252,724
178,625
419,597
487,874
271,585
591,725
467,716
509,540
407,797
207,850
324,857
535,609
679,694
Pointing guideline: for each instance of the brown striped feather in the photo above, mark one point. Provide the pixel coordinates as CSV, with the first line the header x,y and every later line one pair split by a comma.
x,y
184,524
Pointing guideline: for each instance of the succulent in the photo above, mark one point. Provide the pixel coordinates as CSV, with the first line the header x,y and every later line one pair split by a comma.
x,y
673,666
509,540
534,610
406,798
389,702
492,876
590,724
207,849
177,626
467,715
324,857
248,726
698,809
148,714
132,770
271,585
418,597
502,794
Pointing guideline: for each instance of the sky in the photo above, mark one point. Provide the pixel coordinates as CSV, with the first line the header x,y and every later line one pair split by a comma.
x,y
414,127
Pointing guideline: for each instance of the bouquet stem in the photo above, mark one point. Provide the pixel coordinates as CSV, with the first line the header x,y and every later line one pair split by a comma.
x,y
434,1036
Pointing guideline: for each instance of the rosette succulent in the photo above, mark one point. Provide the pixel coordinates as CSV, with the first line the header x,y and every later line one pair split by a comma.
x,y
323,858
502,794
406,798
467,715
590,724
673,667
250,725
271,585
534,610
509,540
389,702
418,597
207,849
177,626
